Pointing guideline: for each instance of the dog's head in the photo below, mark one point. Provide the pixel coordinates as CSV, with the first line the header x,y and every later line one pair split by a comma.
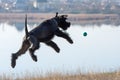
x,y
62,23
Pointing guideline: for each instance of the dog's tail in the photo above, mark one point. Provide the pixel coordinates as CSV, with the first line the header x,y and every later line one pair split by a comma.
x,y
26,29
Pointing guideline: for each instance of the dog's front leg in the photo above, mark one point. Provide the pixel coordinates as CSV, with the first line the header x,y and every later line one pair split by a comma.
x,y
23,49
63,35
53,45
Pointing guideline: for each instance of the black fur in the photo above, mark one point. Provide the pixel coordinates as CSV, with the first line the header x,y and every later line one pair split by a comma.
x,y
43,33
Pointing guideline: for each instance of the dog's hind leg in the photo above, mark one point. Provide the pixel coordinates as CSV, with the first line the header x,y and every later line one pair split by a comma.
x,y
35,46
53,45
23,49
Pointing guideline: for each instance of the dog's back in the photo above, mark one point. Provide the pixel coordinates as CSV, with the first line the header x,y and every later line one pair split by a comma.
x,y
45,29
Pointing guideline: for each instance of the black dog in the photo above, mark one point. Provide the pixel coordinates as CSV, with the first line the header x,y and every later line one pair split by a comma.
x,y
43,33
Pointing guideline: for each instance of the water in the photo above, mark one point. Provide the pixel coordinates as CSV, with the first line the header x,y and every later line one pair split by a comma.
x,y
98,51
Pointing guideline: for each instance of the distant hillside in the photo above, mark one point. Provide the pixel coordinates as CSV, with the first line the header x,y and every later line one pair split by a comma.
x,y
61,6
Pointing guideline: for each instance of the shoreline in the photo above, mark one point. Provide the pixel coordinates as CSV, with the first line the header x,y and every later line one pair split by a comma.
x,y
74,18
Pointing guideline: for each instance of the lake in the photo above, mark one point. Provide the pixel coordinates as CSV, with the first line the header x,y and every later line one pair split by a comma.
x,y
98,51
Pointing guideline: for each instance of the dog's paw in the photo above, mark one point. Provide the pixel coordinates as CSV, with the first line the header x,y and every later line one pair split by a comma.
x,y
13,60
57,50
71,41
34,57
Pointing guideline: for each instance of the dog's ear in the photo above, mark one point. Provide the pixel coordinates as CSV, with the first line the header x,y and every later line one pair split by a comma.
x,y
56,14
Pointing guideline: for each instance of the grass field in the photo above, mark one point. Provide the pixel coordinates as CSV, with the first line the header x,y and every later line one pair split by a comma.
x,y
66,76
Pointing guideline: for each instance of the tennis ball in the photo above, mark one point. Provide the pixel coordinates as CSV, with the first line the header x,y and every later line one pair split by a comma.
x,y
85,34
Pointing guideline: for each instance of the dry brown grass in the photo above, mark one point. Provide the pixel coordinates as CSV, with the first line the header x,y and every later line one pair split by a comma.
x,y
66,76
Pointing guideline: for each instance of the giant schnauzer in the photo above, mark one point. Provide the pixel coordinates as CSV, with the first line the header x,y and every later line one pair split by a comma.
x,y
43,33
